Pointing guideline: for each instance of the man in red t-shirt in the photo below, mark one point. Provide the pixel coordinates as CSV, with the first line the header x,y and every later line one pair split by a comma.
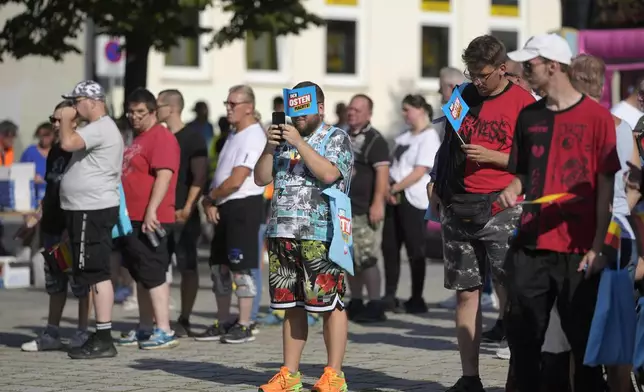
x,y
564,143
150,166
472,173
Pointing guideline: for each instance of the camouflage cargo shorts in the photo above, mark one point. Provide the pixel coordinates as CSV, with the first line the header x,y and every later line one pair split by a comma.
x,y
470,252
366,242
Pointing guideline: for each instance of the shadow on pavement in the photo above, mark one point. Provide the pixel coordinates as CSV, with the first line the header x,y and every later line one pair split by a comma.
x,y
15,340
411,340
414,328
363,380
206,371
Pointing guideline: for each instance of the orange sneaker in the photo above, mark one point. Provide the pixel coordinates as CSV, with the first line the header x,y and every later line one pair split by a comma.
x,y
331,381
284,381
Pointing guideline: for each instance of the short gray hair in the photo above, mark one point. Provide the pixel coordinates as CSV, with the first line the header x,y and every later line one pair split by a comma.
x,y
452,75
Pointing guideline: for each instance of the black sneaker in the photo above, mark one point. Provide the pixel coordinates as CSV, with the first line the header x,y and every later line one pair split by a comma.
x,y
182,328
238,334
392,304
94,348
354,308
213,333
494,335
374,312
416,306
254,328
467,384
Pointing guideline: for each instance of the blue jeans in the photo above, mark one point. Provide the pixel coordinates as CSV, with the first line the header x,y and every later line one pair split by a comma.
x,y
257,273
487,286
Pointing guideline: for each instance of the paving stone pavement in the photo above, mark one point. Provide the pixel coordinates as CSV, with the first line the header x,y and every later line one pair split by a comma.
x,y
406,353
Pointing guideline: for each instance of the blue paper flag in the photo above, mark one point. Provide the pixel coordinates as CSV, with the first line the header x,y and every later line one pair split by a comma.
x,y
300,101
455,109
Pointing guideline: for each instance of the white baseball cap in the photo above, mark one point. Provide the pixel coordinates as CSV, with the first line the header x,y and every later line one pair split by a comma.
x,y
549,46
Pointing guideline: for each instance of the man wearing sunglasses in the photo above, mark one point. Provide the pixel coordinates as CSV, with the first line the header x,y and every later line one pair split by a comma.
x,y
89,197
565,143
235,204
473,172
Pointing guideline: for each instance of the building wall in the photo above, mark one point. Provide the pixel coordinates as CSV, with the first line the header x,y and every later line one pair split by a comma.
x,y
31,87
388,53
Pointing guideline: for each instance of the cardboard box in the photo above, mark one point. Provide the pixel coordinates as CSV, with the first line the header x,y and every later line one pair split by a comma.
x,y
14,274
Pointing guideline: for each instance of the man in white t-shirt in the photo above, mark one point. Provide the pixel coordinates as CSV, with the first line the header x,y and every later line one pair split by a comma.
x,y
235,206
630,109
90,198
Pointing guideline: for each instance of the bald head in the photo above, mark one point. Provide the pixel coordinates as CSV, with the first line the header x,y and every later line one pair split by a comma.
x,y
173,98
449,78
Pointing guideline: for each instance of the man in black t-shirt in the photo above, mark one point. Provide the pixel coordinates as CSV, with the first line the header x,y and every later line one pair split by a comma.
x,y
191,178
52,226
368,191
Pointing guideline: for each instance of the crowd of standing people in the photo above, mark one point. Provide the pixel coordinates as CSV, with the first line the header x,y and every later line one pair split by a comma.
x,y
533,128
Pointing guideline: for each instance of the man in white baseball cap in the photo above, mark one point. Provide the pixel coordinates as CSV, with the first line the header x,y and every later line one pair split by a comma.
x,y
565,143
552,47
545,59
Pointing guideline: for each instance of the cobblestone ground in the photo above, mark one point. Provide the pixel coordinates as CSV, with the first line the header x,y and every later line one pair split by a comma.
x,y
406,353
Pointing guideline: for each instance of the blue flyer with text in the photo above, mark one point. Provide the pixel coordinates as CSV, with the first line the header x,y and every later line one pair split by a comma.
x,y
300,101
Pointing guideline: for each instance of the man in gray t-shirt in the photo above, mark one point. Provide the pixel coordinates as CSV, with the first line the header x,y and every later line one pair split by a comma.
x,y
90,198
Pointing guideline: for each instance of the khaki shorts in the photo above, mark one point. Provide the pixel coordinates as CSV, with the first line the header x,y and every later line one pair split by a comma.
x,y
366,243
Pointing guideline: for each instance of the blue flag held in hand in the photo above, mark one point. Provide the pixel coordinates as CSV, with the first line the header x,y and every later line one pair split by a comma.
x,y
300,101
456,109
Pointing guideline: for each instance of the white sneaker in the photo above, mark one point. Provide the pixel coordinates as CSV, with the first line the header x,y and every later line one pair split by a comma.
x,y
131,303
449,303
43,342
503,352
79,338
489,302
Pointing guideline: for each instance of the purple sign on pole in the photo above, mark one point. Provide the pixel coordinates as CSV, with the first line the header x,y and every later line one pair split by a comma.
x,y
113,51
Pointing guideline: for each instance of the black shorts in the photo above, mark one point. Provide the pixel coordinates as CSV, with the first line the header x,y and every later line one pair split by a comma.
x,y
183,242
147,265
235,241
90,235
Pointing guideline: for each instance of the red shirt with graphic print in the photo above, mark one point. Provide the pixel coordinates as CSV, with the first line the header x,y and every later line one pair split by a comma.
x,y
562,152
490,123
154,149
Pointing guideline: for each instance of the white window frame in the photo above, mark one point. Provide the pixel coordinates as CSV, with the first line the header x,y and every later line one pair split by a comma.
x,y
437,19
512,24
277,77
357,15
200,73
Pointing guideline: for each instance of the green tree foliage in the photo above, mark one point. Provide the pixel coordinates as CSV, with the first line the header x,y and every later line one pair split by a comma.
x,y
48,28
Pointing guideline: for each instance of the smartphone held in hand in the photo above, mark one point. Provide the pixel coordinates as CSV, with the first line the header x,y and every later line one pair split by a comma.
x,y
279,118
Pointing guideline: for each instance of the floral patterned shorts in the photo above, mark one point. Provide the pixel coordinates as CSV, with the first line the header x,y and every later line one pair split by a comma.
x,y
301,274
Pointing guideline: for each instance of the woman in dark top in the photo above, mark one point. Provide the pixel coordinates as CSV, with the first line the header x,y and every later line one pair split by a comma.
x,y
52,226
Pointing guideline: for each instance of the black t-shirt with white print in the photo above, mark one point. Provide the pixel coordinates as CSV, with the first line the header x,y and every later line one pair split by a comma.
x,y
370,150
53,220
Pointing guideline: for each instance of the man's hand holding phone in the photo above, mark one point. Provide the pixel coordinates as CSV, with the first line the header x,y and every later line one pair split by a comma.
x,y
276,132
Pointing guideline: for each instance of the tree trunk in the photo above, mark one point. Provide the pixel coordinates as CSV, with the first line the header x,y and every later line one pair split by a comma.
x,y
136,66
